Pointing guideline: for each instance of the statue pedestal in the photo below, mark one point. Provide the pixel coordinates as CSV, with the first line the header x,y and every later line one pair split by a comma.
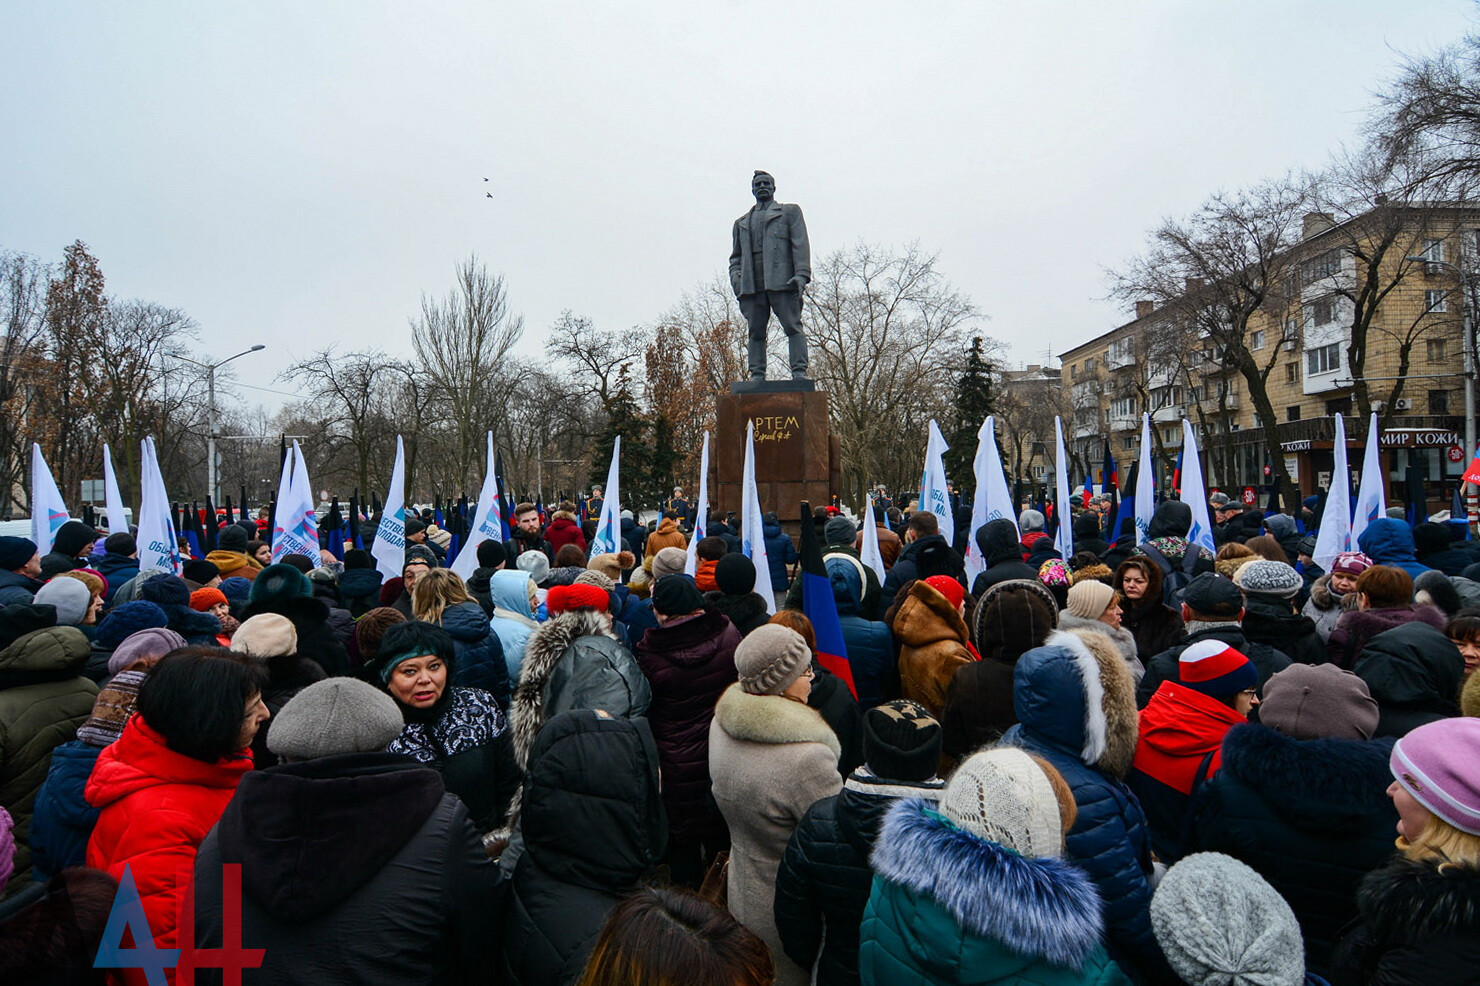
x,y
796,457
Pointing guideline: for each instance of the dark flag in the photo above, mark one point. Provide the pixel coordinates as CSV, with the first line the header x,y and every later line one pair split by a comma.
x,y
1127,509
213,525
820,607
332,529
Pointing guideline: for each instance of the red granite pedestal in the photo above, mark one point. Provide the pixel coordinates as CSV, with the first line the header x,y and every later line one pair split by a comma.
x,y
796,456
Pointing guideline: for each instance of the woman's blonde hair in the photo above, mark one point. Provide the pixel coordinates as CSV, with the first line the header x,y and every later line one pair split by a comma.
x,y
435,591
1442,843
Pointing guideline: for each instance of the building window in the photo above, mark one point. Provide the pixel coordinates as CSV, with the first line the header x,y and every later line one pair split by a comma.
x,y
1125,407
1129,441
1292,372
1073,370
1089,365
1323,310
1327,264
1292,413
1438,402
1256,340
1322,359
1197,394
1435,301
1169,436
1433,251
1436,348
1291,333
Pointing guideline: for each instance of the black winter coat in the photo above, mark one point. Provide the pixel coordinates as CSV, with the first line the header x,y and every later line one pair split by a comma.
x,y
479,661
286,676
316,639
835,703
688,665
359,588
1273,623
1416,926
998,542
824,879
1310,816
746,612
1414,672
1163,667
920,559
355,868
593,828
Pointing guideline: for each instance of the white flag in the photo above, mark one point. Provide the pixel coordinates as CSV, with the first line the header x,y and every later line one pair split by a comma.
x,y
159,547
934,496
1192,484
487,521
870,554
1063,538
295,529
752,533
389,548
1145,483
992,499
609,526
112,499
1335,534
48,511
1371,495
701,514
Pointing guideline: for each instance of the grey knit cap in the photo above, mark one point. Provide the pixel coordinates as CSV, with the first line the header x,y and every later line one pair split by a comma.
x,y
838,530
770,658
1220,924
669,561
334,716
1270,578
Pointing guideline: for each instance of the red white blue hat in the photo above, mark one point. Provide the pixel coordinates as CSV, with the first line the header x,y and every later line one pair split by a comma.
x,y
1214,668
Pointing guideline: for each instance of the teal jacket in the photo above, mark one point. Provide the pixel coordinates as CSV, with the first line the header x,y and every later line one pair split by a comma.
x,y
948,906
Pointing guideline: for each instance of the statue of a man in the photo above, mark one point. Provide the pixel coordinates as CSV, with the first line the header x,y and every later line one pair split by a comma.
x,y
770,265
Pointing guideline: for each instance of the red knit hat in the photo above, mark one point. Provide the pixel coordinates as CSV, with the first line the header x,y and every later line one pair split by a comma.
x,y
202,600
564,598
948,587
1216,669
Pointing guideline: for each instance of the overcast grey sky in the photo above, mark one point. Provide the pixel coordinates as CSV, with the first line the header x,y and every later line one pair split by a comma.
x,y
297,174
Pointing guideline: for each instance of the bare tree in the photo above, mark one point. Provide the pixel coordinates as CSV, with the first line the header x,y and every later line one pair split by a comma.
x,y
462,342
23,282
1429,120
352,392
596,356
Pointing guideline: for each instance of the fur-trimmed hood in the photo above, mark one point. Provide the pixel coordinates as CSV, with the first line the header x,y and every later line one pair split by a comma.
x,y
1046,908
1076,693
772,719
1412,900
527,708
1332,786
1323,598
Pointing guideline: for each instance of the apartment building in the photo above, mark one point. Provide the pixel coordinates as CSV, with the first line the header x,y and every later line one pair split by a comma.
x,y
1158,364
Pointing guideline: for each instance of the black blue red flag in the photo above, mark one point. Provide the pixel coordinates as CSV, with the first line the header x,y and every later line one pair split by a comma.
x,y
820,607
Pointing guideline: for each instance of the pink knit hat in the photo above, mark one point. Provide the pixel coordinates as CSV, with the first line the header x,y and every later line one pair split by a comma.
x,y
1439,764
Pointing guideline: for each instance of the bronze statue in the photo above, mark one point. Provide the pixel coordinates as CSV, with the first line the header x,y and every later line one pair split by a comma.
x,y
770,265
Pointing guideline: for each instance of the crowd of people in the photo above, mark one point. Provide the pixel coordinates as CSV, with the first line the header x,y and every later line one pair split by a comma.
x,y
1147,762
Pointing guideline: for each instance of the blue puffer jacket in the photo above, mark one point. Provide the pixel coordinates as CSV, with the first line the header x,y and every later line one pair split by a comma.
x,y
780,552
480,656
635,617
63,820
117,569
512,620
1092,748
1390,542
870,644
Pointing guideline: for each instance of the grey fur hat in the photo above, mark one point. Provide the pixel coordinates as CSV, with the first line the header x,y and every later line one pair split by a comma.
x,y
1220,924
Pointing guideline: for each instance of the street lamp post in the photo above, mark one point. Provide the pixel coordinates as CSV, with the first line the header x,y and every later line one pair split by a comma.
x,y
210,369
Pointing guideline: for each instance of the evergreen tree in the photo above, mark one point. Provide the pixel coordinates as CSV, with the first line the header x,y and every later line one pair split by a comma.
x,y
624,417
974,400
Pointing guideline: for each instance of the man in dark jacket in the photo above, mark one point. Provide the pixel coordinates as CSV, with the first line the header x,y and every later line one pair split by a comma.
x,y
20,567
1436,548
736,596
348,846
1087,535
119,564
781,553
1301,796
1212,607
359,584
593,829
998,542
526,535
69,549
490,560
1414,672
824,879
839,541
870,644
925,554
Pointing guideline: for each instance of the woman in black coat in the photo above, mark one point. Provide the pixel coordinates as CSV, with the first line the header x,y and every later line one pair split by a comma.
x,y
284,590
1154,624
593,828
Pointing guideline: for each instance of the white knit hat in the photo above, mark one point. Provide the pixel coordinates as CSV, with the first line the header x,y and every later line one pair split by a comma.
x,y
1003,796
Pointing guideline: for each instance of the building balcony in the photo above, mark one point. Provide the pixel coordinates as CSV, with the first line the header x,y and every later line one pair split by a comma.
x,y
1210,404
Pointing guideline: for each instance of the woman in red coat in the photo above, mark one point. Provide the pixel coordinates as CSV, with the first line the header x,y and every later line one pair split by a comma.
x,y
166,780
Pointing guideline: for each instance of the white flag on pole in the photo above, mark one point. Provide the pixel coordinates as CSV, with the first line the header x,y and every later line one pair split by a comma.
x,y
934,496
1192,484
389,548
159,547
701,513
295,529
992,500
609,527
752,523
487,521
1371,494
48,511
1145,483
1335,534
112,499
1063,538
870,554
